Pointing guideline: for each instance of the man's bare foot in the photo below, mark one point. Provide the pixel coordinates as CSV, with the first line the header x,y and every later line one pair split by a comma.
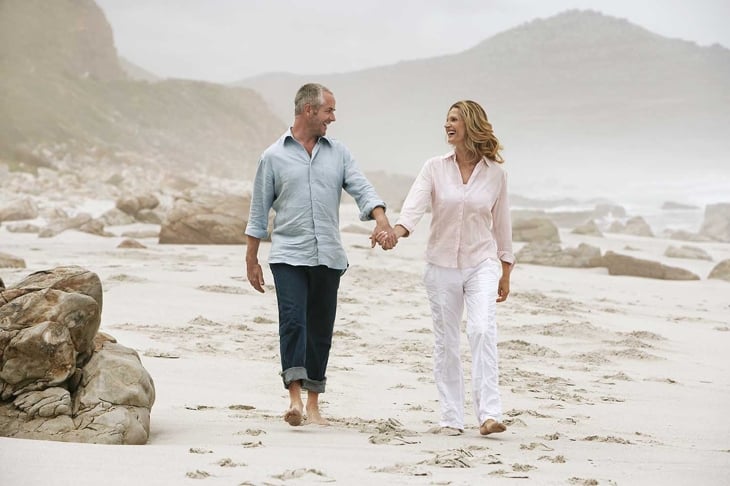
x,y
491,426
293,416
314,417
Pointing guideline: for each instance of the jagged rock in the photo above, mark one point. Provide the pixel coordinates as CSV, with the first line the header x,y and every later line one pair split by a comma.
x,y
551,254
721,271
132,205
10,261
18,209
716,224
59,378
206,219
535,229
590,228
685,251
636,226
626,265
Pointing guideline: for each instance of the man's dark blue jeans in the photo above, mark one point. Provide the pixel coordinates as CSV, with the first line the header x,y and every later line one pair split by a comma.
x,y
307,298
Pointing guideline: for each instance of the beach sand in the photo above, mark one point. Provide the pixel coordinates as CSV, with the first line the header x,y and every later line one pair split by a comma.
x,y
604,379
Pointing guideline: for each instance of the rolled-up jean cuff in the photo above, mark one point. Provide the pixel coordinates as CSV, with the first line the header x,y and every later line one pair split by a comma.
x,y
315,386
293,374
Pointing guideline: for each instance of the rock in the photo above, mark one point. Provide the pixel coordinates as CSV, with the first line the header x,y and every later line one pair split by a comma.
x,y
590,228
550,254
636,226
59,378
132,205
684,235
671,205
535,229
690,252
721,271
716,224
129,243
10,261
116,217
18,209
207,218
23,228
149,216
626,265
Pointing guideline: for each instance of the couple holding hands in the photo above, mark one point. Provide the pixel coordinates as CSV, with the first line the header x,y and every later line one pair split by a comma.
x,y
468,257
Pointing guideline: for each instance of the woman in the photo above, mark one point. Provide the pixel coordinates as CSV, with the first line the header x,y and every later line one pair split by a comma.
x,y
469,259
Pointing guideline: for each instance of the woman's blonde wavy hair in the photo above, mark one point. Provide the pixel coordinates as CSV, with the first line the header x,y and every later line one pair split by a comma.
x,y
480,139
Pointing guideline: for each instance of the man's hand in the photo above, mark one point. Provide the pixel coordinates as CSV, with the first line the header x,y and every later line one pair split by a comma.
x,y
253,270
255,276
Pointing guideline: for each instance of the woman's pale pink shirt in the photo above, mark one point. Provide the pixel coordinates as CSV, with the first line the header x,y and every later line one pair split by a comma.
x,y
470,222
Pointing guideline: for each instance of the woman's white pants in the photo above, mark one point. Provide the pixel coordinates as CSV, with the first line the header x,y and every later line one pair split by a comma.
x,y
449,290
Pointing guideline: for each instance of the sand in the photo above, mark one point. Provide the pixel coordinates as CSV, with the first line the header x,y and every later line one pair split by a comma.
x,y
604,379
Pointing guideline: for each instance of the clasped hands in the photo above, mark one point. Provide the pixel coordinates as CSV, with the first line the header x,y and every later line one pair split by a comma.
x,y
384,236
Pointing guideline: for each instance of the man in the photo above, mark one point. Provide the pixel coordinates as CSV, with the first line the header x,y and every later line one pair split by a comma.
x,y
301,176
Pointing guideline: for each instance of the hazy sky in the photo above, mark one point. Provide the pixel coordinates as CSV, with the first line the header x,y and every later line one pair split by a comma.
x,y
229,40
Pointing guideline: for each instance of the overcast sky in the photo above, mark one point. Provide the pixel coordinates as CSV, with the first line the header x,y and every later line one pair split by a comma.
x,y
229,40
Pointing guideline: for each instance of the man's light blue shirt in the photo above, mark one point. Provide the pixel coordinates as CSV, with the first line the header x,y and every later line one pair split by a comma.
x,y
305,193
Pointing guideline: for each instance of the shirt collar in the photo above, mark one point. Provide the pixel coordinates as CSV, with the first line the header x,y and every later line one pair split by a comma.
x,y
288,135
452,156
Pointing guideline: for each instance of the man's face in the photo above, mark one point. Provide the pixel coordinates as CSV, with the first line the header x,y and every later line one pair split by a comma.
x,y
321,117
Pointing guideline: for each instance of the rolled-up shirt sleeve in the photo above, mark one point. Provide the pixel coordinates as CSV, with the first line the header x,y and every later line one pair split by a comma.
x,y
357,185
261,201
502,224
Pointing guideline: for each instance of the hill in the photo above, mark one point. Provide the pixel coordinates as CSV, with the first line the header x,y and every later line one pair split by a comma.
x,y
577,98
61,82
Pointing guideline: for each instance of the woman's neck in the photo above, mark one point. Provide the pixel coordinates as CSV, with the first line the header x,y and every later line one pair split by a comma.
x,y
464,157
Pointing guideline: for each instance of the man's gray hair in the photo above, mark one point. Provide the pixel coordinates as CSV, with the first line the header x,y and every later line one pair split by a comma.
x,y
310,93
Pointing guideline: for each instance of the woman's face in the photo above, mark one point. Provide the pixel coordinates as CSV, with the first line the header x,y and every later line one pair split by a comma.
x,y
455,128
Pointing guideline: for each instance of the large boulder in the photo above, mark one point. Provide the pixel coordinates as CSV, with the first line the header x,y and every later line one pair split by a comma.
x,y
716,224
207,218
626,265
59,378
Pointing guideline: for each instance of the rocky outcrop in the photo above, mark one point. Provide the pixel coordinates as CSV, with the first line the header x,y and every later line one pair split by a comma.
x,y
535,229
590,228
59,378
626,265
551,254
206,218
81,222
636,226
140,208
716,224
721,271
